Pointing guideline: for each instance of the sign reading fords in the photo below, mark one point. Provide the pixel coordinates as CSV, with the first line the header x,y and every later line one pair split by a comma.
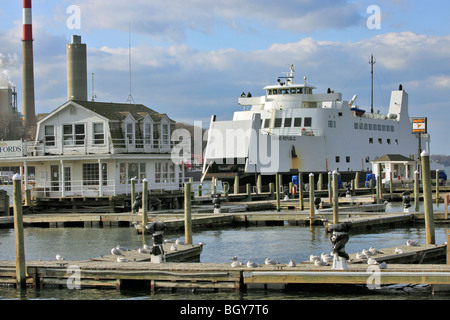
x,y
10,148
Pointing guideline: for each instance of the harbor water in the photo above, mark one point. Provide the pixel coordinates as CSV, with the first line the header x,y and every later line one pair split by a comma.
x,y
280,243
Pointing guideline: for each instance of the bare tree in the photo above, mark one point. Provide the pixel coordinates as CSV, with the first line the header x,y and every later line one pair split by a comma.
x,y
11,127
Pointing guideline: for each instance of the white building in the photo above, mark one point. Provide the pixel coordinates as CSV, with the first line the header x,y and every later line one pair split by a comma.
x,y
88,148
401,167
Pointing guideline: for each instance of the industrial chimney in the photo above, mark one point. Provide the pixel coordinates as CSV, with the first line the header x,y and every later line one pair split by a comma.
x,y
76,70
28,108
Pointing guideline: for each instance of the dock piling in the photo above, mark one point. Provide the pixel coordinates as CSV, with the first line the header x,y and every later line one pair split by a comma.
x,y
311,195
133,193
416,191
187,214
18,229
300,192
427,199
277,190
335,198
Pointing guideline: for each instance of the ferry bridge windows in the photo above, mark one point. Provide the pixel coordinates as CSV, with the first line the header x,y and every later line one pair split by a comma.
x,y
278,122
49,135
73,134
267,123
287,122
297,122
308,122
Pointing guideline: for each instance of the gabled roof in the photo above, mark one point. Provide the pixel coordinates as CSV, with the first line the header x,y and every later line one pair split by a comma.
x,y
119,111
393,158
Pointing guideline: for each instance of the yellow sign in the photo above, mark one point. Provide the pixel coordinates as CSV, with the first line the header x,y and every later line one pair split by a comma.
x,y
419,125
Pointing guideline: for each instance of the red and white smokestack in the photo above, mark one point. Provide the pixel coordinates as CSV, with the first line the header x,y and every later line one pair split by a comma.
x,y
27,21
28,110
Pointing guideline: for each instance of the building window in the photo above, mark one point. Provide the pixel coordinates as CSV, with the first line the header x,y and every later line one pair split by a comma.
x,y
267,123
90,174
278,122
380,141
99,134
148,133
308,122
331,124
338,159
297,122
73,134
347,159
164,172
355,125
165,135
49,135
130,133
370,140
388,140
131,170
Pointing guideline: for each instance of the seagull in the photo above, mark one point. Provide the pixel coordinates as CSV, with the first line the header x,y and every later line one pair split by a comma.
x,y
173,248
116,252
59,257
326,257
270,261
201,243
412,243
361,255
122,248
178,241
252,264
313,258
143,250
168,241
372,261
319,263
122,259
382,265
147,247
291,263
235,264
398,251
367,252
234,258
374,251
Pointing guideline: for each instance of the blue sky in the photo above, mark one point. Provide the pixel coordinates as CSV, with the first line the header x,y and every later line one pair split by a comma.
x,y
193,58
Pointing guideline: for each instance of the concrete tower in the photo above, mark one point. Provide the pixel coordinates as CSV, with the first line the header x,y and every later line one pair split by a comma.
x,y
76,70
28,108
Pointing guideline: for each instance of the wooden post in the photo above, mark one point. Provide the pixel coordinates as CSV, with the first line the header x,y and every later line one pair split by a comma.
x,y
213,185
236,185
249,191
28,197
427,199
390,184
199,190
300,192
133,193
271,190
379,183
259,184
311,195
144,202
335,198
330,190
446,207
320,182
357,180
18,230
437,187
416,191
277,190
187,214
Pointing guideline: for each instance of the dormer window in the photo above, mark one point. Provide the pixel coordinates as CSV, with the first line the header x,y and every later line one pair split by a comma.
x,y
73,134
99,133
148,131
130,133
165,136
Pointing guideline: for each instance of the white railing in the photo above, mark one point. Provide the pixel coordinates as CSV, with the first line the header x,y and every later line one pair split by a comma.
x,y
297,131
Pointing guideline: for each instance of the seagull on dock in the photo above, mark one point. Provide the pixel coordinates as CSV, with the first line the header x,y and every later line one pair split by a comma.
x,y
320,263
361,255
121,248
313,258
59,257
146,247
412,243
173,248
291,263
116,252
122,259
372,261
236,263
251,264
326,257
367,252
143,250
398,251
270,261
178,241
374,251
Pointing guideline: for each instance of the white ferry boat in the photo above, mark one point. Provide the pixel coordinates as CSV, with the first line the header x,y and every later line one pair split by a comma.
x,y
292,130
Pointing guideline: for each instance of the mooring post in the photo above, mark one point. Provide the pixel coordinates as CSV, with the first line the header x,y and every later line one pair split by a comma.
x,y
248,189
259,184
133,193
446,198
300,192
319,182
236,184
311,195
391,191
18,230
437,187
144,201
379,184
416,191
357,180
427,199
335,198
277,190
330,189
187,214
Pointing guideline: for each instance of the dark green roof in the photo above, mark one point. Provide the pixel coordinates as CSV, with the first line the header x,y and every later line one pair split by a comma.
x,y
392,157
119,111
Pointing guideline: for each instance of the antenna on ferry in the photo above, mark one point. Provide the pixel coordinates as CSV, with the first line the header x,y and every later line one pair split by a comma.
x,y
371,62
